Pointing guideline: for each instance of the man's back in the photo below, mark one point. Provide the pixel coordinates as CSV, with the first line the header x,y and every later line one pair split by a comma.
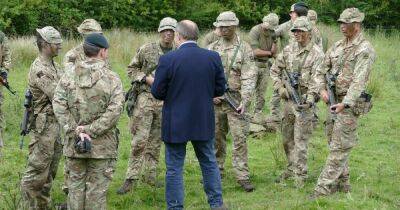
x,y
187,80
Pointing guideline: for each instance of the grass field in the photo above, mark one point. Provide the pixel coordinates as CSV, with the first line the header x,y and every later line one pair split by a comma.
x,y
374,163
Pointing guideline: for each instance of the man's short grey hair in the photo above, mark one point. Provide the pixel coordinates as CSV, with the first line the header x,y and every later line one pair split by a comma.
x,y
188,30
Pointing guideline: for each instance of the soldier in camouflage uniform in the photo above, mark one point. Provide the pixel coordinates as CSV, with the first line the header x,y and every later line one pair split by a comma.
x,y
145,122
76,54
45,147
350,60
301,58
263,42
316,33
5,66
240,71
286,37
88,102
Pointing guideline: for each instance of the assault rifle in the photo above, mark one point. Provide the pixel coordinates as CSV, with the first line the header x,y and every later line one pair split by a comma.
x,y
291,83
27,115
4,82
331,89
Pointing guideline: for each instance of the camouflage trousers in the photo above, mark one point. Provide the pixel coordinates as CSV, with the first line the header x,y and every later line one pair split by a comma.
x,y
342,137
261,86
275,104
228,120
145,127
88,182
296,131
1,121
45,150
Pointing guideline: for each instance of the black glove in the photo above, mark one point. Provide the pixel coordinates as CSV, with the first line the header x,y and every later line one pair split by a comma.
x,y
84,146
4,74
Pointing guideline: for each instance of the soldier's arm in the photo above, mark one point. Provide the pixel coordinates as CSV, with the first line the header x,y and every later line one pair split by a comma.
x,y
276,71
361,73
6,55
69,59
248,74
45,81
134,70
110,117
312,94
61,108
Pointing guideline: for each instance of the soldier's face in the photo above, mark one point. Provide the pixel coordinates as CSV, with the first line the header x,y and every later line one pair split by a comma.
x,y
167,36
348,29
301,36
54,49
227,31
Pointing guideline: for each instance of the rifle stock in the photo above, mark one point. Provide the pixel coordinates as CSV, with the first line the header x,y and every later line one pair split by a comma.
x,y
26,116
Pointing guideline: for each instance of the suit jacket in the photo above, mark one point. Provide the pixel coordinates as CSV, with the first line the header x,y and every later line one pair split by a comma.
x,y
187,80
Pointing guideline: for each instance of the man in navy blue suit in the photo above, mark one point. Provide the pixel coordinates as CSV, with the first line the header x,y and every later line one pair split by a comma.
x,y
187,80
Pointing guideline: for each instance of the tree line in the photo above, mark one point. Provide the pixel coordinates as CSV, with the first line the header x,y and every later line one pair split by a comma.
x,y
21,17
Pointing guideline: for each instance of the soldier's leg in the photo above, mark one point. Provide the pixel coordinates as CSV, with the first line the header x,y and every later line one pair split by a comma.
x,y
344,138
99,176
77,168
1,123
275,107
152,152
303,127
221,130
141,123
53,166
66,174
288,121
261,88
239,129
42,161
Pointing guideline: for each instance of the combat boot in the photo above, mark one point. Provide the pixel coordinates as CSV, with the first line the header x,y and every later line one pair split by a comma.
x,y
345,188
284,176
246,185
153,182
223,207
126,187
315,195
62,206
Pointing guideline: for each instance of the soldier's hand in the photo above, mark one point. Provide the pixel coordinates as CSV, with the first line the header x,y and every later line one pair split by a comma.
x,y
217,100
84,136
79,129
241,109
325,96
283,93
337,107
149,80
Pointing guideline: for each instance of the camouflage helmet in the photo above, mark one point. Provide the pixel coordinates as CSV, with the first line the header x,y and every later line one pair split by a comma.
x,y
50,35
312,15
89,26
351,15
227,18
271,21
302,24
167,23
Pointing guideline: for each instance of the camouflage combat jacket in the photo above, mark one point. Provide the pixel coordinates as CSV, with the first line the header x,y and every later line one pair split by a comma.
x,y
352,63
43,77
5,53
286,36
316,36
145,63
302,60
210,38
73,56
90,95
241,75
262,39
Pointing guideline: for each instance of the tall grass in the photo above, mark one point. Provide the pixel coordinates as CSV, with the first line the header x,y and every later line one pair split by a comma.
x,y
375,171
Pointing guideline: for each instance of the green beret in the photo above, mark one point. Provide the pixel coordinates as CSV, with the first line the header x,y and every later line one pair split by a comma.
x,y
96,39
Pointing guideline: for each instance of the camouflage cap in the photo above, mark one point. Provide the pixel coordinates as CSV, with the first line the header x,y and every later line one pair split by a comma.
x,y
271,21
312,15
351,15
292,8
167,23
302,24
227,18
50,35
89,26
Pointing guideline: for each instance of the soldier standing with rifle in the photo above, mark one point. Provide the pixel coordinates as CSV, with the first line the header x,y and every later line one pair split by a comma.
x,y
347,66
45,147
293,73
5,66
237,59
145,110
